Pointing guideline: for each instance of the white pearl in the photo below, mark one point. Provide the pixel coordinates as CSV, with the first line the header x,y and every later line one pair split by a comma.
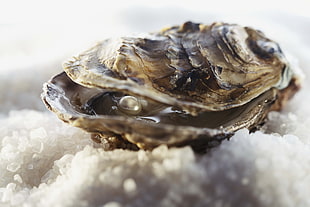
x,y
130,105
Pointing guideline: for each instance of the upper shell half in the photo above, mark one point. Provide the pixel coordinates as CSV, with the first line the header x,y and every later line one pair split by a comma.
x,y
194,66
181,84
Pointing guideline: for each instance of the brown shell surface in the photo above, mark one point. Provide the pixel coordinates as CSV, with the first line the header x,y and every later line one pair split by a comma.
x,y
200,84
197,67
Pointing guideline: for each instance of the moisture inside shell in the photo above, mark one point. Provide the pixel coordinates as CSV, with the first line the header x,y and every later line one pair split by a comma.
x,y
191,84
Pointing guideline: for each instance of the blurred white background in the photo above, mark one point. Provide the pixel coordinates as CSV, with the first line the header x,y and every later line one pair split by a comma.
x,y
36,31
66,11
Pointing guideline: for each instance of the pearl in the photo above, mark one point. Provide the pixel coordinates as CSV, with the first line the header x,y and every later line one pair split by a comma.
x,y
130,105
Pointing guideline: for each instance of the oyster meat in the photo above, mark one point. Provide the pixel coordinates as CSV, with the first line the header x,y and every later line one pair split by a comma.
x,y
192,84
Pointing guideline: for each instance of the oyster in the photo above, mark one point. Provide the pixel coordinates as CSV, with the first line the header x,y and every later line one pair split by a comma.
x,y
191,84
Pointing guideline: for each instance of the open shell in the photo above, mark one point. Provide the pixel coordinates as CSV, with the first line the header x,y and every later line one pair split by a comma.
x,y
191,84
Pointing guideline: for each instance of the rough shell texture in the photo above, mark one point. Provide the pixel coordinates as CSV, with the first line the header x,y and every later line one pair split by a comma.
x,y
191,84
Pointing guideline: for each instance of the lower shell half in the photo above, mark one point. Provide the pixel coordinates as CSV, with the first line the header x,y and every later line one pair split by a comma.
x,y
100,112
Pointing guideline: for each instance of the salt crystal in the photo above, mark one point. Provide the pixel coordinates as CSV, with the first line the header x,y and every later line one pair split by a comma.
x,y
18,178
292,117
172,164
142,155
13,167
158,170
38,133
11,186
159,151
35,158
130,185
23,143
291,139
7,140
63,163
47,176
245,181
18,199
112,204
261,164
103,177
51,141
2,191
8,193
117,170
7,149
37,146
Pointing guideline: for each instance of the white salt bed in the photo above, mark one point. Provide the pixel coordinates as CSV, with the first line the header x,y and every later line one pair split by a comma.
x,y
45,162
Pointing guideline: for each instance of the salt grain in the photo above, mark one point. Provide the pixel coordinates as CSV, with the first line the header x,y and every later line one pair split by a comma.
x,y
112,204
38,133
18,199
130,185
7,140
37,146
172,164
142,155
18,178
245,181
262,164
47,176
13,167
7,195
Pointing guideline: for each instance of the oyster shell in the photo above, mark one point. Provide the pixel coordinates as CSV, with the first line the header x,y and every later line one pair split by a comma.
x,y
190,84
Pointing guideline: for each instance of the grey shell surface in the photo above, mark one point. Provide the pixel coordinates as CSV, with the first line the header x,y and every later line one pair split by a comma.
x,y
190,84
